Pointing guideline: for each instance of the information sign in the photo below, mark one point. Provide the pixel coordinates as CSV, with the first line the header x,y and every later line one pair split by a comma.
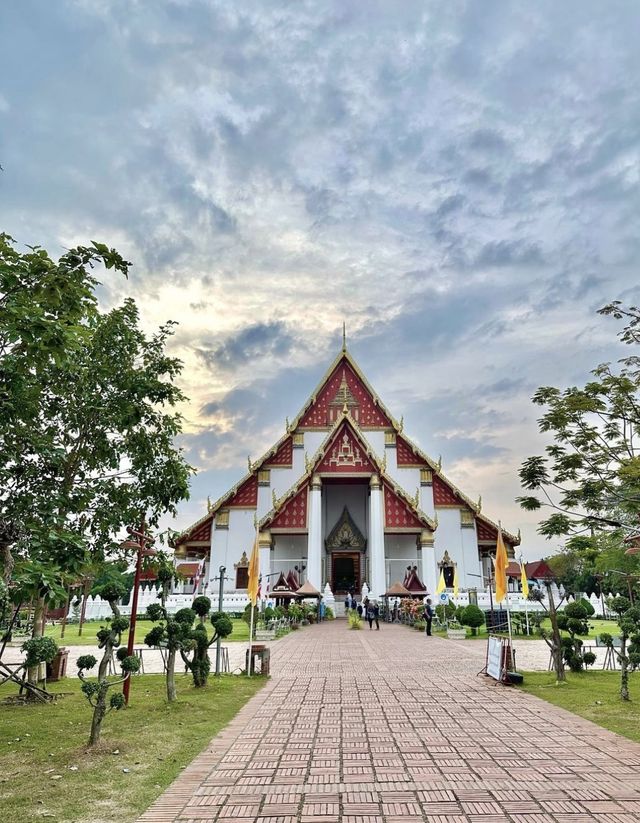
x,y
494,658
443,599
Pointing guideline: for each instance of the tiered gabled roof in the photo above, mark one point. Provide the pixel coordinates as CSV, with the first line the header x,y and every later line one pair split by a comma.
x,y
344,386
361,460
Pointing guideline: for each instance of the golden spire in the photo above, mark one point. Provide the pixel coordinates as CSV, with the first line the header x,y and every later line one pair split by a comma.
x,y
344,336
208,503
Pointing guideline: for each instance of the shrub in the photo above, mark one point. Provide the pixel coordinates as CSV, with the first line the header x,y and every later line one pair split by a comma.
x,y
354,620
472,616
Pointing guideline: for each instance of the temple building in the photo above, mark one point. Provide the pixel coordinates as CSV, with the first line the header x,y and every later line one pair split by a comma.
x,y
343,498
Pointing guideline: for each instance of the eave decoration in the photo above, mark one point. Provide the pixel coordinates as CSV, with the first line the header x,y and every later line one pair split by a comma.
x,y
345,535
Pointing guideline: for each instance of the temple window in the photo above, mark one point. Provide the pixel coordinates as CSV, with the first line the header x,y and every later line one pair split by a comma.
x,y
242,572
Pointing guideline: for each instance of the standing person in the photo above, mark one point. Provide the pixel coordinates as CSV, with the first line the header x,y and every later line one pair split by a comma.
x,y
359,608
376,614
347,603
428,616
370,615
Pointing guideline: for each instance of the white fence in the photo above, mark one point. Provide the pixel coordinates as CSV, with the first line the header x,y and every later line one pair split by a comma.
x,y
98,609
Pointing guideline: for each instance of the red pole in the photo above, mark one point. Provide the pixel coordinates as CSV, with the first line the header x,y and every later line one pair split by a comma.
x,y
134,610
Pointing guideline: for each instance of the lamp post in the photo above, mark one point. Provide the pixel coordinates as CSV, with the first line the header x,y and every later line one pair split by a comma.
x,y
139,546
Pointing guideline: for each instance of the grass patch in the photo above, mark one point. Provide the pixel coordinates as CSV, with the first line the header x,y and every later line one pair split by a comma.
x,y
596,628
155,741
581,692
240,633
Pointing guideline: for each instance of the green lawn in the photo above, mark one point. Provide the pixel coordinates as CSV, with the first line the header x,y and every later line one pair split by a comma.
x,y
88,638
596,628
153,741
581,692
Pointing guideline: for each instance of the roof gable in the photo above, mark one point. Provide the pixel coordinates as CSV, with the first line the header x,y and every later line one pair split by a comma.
x,y
346,453
344,386
400,514
293,514
246,497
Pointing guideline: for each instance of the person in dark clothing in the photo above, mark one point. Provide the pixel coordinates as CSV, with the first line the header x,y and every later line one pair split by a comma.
x,y
376,615
370,615
359,609
428,616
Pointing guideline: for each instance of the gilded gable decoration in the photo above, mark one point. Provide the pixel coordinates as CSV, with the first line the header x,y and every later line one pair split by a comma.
x,y
390,438
345,534
466,519
222,519
298,440
264,477
426,477
244,561
345,453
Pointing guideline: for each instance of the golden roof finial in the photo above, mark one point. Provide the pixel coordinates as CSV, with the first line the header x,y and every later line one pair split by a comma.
x,y
435,521
344,336
383,464
274,498
480,503
416,499
307,462
286,424
401,426
519,537
439,466
249,461
208,503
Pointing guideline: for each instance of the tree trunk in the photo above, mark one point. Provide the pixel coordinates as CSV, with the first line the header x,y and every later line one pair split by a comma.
x,y
556,650
624,668
83,610
33,671
171,675
99,712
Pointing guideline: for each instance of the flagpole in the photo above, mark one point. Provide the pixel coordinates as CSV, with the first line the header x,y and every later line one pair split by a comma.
x,y
253,608
254,571
523,576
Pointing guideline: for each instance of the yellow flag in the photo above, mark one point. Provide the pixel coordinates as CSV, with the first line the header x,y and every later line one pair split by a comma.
x,y
441,584
525,582
254,573
455,580
501,569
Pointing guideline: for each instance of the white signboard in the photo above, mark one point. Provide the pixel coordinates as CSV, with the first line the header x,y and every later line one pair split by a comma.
x,y
443,599
494,658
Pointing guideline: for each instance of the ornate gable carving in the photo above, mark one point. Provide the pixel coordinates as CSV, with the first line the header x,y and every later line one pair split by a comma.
x,y
397,513
293,515
345,534
345,454
247,495
344,387
283,458
406,457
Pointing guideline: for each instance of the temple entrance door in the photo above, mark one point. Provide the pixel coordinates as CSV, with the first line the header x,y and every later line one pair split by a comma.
x,y
345,572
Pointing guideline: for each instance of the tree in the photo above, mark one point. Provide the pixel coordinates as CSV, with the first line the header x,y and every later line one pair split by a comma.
x,y
173,633
199,663
628,655
472,616
109,637
553,639
89,421
590,474
574,621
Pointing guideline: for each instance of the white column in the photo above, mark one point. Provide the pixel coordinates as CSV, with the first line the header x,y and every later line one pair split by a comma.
x,y
264,544
377,583
429,567
314,544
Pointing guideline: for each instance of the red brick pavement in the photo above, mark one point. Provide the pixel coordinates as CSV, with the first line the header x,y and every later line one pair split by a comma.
x,y
390,726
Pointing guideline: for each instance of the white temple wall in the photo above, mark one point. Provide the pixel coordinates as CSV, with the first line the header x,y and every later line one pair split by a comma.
x,y
218,552
426,501
400,551
448,537
376,440
312,442
241,538
283,479
471,557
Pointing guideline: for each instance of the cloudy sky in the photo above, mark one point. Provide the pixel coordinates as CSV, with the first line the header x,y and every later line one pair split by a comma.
x,y
458,181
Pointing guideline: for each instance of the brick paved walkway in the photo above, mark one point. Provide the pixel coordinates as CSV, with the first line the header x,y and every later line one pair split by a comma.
x,y
390,726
